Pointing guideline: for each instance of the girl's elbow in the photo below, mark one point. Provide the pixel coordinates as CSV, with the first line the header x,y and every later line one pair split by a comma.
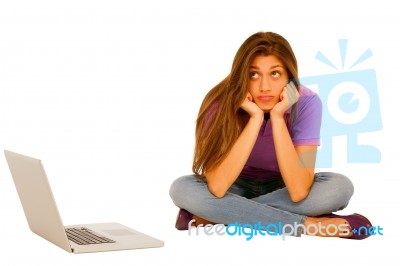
x,y
301,191
298,195
216,190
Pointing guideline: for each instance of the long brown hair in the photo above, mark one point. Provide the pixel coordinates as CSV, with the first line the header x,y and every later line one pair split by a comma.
x,y
221,120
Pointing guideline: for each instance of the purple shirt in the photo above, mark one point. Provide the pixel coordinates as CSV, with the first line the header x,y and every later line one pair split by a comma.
x,y
262,163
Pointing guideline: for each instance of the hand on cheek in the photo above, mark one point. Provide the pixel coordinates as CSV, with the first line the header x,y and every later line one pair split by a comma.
x,y
288,97
251,107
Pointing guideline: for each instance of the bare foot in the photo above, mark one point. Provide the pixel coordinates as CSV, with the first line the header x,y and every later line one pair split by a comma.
x,y
327,227
200,221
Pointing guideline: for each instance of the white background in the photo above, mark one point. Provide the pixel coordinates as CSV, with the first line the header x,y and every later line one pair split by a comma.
x,y
106,93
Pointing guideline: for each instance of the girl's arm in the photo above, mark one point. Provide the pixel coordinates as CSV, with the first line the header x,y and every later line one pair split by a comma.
x,y
224,175
296,164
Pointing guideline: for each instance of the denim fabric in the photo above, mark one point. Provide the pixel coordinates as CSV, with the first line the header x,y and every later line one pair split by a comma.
x,y
249,202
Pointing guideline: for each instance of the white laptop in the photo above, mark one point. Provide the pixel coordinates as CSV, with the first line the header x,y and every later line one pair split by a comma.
x,y
44,219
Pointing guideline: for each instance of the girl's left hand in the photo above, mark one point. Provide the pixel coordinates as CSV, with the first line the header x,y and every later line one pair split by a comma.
x,y
288,97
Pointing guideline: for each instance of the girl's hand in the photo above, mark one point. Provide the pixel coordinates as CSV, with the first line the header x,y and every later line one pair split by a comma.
x,y
250,107
288,97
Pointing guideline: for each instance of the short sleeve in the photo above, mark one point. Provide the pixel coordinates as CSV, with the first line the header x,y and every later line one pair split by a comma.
x,y
307,124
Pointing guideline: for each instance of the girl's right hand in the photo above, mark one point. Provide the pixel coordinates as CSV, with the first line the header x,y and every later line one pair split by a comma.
x,y
251,107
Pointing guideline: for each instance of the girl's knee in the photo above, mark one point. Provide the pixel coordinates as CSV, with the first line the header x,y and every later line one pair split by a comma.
x,y
338,189
177,187
184,189
345,186
337,182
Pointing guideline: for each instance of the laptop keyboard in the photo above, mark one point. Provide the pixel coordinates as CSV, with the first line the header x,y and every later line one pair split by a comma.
x,y
85,236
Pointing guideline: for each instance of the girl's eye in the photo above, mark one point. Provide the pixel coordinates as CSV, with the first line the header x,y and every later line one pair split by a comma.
x,y
253,75
276,74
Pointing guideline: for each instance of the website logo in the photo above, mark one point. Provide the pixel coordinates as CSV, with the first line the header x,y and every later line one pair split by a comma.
x,y
350,106
279,229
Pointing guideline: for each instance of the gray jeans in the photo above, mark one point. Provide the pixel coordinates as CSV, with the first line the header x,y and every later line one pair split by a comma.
x,y
250,203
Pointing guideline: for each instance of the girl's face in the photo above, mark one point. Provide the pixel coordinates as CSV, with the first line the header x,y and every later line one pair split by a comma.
x,y
268,77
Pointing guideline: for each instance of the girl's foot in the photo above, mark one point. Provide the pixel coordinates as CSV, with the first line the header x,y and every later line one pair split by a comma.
x,y
327,227
184,218
354,226
200,221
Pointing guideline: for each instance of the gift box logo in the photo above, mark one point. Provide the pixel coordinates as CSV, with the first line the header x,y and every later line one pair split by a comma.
x,y
350,107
